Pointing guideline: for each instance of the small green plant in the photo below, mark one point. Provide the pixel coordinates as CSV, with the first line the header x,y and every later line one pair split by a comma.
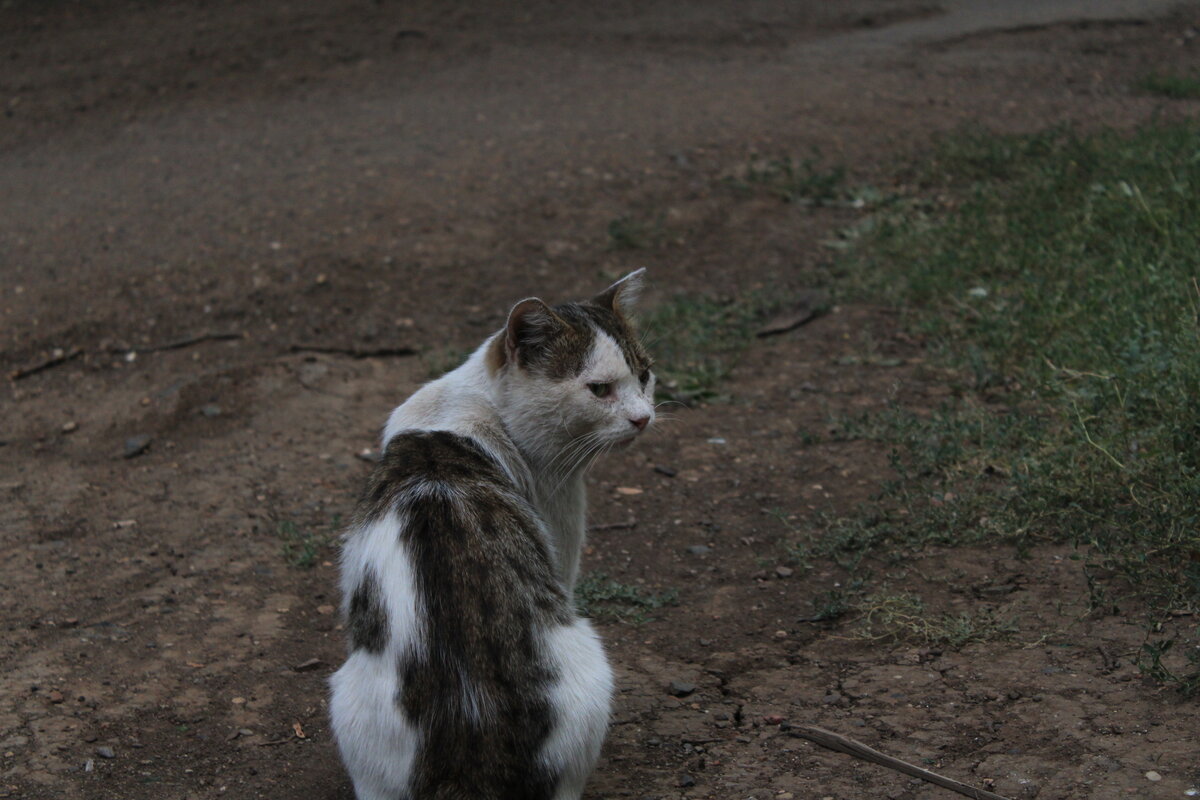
x,y
441,360
603,598
696,339
1175,87
633,233
1153,661
302,547
805,181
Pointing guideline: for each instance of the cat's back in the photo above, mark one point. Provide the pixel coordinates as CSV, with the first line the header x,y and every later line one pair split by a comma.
x,y
451,599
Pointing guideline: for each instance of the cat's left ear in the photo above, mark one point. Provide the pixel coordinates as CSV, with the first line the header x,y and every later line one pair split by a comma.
x,y
622,295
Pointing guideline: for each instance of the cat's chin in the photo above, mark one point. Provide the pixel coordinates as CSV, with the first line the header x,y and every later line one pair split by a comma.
x,y
623,444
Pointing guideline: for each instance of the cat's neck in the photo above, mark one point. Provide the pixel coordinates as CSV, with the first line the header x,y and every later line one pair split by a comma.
x,y
472,401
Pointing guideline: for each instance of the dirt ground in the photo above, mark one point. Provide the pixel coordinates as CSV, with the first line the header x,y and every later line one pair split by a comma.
x,y
317,186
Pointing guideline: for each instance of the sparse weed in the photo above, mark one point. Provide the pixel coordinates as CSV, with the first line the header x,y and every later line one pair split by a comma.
x,y
1175,87
441,360
302,547
696,340
803,181
628,232
603,598
902,616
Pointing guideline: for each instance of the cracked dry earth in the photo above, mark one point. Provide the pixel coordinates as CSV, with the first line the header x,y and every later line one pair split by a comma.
x,y
365,178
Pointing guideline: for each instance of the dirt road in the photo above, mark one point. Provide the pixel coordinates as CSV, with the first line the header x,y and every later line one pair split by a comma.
x,y
368,177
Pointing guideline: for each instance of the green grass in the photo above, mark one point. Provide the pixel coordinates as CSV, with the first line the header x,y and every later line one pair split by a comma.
x,y
696,339
804,182
1175,87
1061,286
441,360
603,598
629,232
303,547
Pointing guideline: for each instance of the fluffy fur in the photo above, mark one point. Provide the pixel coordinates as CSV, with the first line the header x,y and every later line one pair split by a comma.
x,y
470,675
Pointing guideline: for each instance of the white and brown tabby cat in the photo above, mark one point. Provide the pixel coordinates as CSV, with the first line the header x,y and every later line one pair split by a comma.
x,y
470,675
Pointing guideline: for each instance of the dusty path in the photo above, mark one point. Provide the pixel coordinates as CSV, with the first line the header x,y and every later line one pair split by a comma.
x,y
363,176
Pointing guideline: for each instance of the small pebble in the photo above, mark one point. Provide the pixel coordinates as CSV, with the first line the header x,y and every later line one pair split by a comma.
x,y
309,665
1153,776
89,765
681,688
69,427
135,445
783,572
699,549
105,752
661,470
687,780
211,410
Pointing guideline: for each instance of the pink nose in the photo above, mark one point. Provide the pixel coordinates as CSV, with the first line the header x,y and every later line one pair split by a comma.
x,y
640,423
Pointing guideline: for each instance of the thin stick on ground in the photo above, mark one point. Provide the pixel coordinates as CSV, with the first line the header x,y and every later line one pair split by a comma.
x,y
835,741
354,352
56,358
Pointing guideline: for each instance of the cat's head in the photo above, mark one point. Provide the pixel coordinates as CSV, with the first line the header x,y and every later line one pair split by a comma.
x,y
576,372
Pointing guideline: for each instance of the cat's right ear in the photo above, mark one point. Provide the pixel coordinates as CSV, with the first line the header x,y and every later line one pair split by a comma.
x,y
530,323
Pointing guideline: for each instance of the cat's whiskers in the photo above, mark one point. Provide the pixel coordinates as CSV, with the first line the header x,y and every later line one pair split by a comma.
x,y
574,453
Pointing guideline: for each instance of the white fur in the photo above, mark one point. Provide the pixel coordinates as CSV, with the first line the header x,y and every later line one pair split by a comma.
x,y
507,414
580,703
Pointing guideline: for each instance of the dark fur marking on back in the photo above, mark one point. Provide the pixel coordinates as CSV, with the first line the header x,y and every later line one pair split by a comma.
x,y
368,618
477,689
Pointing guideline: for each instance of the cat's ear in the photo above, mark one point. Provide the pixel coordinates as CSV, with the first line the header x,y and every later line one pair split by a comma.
x,y
622,295
531,323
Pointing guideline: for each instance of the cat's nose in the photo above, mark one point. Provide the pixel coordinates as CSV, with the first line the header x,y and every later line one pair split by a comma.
x,y
640,423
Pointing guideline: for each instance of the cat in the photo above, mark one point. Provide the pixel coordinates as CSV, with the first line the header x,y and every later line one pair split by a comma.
x,y
470,675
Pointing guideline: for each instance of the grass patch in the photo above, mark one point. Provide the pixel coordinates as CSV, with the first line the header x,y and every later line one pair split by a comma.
x,y
804,182
441,360
304,547
602,598
1062,287
636,233
1175,87
696,339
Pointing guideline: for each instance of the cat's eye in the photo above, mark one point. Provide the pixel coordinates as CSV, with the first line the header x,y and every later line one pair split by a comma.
x,y
645,376
600,389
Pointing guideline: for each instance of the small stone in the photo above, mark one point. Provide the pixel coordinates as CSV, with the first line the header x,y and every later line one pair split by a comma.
x,y
105,752
686,780
135,445
70,427
662,470
55,696
783,572
699,549
309,665
773,719
210,410
1153,776
238,701
89,765
681,688
628,491
325,610
369,455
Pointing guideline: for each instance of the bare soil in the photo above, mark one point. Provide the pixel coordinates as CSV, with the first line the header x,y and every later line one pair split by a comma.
x,y
368,177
